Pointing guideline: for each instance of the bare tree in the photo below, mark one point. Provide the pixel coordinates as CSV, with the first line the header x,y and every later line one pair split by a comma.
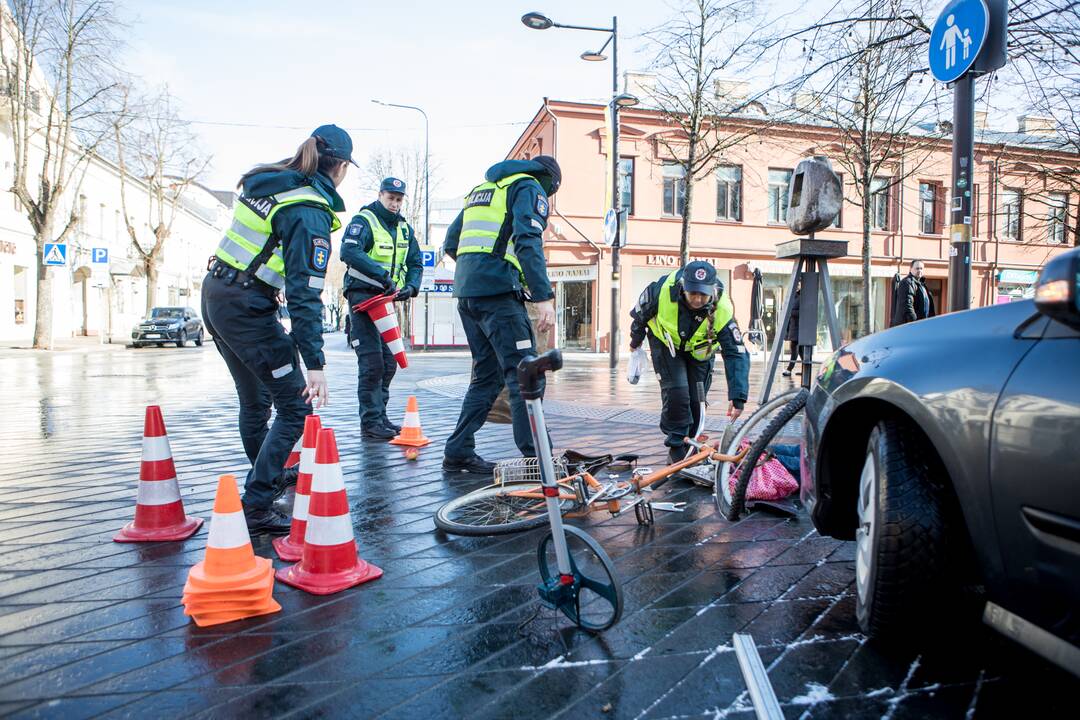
x,y
407,164
157,150
863,73
57,61
704,41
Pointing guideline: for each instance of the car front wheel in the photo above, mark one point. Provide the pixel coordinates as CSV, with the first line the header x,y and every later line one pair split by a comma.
x,y
199,338
900,542
182,339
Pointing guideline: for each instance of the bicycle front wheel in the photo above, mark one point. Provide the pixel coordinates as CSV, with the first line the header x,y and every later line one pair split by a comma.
x,y
496,510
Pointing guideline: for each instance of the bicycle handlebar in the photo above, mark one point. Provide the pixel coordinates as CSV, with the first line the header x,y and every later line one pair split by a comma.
x,y
531,370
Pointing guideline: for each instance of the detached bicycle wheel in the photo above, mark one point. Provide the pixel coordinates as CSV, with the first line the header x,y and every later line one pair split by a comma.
x,y
761,429
496,510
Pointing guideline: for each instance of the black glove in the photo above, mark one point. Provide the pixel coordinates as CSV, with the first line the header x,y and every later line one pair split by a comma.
x,y
405,293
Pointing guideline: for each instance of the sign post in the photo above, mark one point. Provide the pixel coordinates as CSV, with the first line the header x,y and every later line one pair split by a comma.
x,y
428,258
958,37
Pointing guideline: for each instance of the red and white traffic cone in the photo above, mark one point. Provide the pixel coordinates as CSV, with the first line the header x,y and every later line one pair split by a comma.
x,y
159,512
411,434
294,454
381,311
330,562
291,547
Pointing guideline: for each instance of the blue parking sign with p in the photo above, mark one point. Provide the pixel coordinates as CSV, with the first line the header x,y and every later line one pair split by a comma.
x,y
428,257
99,255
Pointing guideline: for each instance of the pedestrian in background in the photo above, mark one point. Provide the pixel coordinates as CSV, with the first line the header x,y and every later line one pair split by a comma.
x,y
279,240
911,300
497,241
792,334
687,317
381,257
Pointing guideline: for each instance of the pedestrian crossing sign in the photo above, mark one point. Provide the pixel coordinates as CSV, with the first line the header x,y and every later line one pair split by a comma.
x,y
55,254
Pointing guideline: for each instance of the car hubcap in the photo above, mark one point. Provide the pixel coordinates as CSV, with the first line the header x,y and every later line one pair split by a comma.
x,y
864,535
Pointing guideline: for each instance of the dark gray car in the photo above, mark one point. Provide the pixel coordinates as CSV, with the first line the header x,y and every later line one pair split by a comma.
x,y
168,324
949,449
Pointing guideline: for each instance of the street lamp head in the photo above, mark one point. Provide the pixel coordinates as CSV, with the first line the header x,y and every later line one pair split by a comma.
x,y
536,21
378,102
593,56
625,100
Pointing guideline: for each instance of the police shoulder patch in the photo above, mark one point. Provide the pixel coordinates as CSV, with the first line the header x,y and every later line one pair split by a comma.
x,y
736,334
354,229
320,253
541,206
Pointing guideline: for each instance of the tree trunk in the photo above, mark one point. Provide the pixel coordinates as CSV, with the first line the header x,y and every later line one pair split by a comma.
x,y
150,266
866,249
688,204
43,304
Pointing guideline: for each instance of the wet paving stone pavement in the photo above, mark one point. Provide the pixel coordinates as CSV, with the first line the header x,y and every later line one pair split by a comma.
x,y
92,628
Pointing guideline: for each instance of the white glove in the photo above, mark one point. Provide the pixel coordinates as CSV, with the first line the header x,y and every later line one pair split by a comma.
x,y
637,365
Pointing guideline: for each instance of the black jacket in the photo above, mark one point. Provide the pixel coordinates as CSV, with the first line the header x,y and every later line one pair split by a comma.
x,y
792,334
358,242
911,302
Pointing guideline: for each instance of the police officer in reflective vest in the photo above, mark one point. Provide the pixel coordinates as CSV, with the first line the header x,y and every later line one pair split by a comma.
x,y
382,256
687,316
279,241
497,241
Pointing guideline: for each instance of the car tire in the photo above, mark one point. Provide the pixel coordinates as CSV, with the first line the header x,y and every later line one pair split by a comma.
x,y
901,538
182,340
136,345
199,338
160,344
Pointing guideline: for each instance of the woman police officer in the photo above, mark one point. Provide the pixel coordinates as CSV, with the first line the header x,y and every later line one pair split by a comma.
x,y
279,241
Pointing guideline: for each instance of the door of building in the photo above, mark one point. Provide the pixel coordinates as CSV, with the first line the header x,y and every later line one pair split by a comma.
x,y
771,310
575,315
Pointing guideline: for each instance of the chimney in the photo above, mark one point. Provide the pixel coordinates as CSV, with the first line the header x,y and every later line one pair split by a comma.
x,y
733,93
1034,125
981,119
641,85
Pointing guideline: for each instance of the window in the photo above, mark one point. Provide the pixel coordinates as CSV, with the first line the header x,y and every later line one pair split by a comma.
x,y
674,182
729,192
1009,213
838,221
1056,212
928,201
779,180
975,211
879,204
626,184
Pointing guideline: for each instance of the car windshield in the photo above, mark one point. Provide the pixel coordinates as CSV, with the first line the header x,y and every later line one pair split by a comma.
x,y
167,313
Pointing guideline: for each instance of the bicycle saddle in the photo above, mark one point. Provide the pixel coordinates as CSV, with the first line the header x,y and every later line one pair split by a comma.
x,y
578,462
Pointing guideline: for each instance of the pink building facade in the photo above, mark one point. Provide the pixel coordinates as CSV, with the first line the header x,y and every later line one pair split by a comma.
x,y
1020,220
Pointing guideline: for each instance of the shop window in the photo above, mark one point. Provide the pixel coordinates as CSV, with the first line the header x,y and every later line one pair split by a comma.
x,y
1056,212
1009,209
729,192
626,184
779,181
674,183
21,274
879,203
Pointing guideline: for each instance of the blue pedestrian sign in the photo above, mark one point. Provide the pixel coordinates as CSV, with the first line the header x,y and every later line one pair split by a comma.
x,y
99,255
55,254
428,257
957,38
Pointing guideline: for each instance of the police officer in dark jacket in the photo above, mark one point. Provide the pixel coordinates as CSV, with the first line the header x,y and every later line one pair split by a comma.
x,y
911,300
382,256
687,316
279,241
497,241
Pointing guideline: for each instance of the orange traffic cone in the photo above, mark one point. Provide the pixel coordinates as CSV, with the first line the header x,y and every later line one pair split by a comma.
x,y
411,434
159,512
291,547
381,311
330,562
294,454
231,583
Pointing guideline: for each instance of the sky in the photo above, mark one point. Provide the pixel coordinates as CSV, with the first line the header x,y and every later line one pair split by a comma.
x,y
257,77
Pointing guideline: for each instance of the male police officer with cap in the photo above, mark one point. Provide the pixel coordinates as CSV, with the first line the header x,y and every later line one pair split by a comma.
x,y
382,256
497,241
687,316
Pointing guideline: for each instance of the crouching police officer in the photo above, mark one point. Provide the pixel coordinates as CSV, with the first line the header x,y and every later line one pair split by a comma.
x,y
279,240
382,257
686,316
497,241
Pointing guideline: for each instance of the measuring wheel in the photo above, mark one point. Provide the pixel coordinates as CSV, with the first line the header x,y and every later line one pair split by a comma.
x,y
590,594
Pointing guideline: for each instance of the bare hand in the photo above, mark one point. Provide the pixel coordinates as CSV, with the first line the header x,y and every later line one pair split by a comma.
x,y
317,393
733,412
545,315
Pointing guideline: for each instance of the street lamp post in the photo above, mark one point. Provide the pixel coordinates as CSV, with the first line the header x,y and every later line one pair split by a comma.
x,y
427,194
538,21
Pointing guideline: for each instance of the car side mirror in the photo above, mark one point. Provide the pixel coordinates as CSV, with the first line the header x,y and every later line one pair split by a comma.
x,y
1057,292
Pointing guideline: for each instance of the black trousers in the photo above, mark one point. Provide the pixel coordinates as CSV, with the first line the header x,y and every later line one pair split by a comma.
x,y
265,367
375,365
679,377
793,349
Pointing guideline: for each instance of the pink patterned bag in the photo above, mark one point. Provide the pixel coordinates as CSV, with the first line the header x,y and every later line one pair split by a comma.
x,y
769,480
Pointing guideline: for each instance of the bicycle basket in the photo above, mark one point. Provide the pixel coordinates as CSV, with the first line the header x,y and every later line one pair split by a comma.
x,y
527,469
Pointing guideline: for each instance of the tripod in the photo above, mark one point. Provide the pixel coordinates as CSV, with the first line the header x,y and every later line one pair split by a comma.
x,y
812,270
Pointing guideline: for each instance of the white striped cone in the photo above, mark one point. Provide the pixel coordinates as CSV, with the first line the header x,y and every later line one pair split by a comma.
x,y
385,319
411,434
291,547
159,512
330,562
